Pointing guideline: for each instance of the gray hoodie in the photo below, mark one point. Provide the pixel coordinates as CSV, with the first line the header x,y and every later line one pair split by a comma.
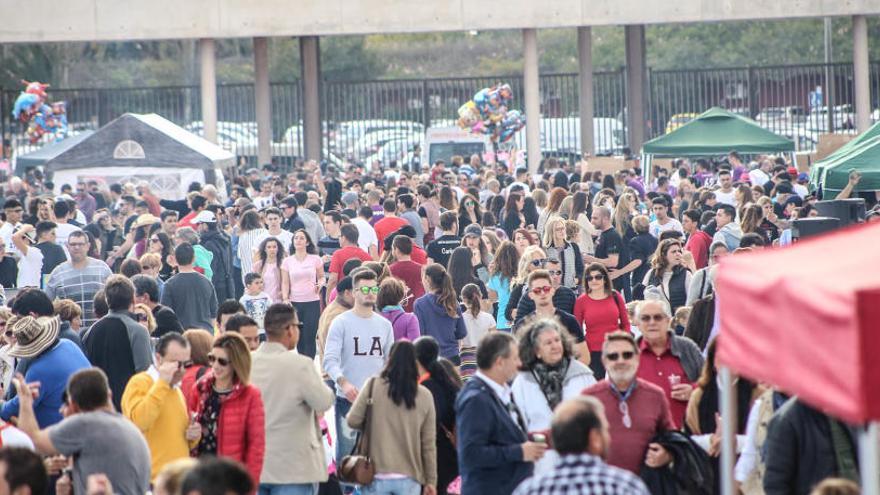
x,y
730,235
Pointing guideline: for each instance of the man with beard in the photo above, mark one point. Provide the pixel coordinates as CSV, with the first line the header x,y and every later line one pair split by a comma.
x,y
580,436
636,409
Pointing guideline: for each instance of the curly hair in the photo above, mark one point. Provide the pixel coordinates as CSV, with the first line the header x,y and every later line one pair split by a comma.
x,y
528,336
658,260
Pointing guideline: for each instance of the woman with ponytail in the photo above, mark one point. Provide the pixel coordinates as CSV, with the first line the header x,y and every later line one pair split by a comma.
x,y
438,312
478,324
444,388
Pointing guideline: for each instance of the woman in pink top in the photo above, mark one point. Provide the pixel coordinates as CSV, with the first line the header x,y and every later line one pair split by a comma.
x,y
268,265
302,277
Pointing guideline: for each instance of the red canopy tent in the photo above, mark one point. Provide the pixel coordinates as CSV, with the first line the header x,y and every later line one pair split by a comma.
x,y
806,318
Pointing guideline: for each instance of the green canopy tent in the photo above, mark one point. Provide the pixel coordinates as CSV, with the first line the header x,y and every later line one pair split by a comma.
x,y
862,157
715,132
832,173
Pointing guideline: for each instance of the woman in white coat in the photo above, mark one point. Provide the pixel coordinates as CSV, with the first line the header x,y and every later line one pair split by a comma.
x,y
549,374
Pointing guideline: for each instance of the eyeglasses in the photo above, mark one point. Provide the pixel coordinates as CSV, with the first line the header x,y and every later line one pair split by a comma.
x,y
367,290
155,239
614,356
596,278
539,262
219,360
542,290
469,203
557,273
140,317
624,409
8,333
655,317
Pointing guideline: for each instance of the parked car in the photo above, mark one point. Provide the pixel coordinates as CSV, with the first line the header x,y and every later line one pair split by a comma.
x,y
679,120
842,115
781,117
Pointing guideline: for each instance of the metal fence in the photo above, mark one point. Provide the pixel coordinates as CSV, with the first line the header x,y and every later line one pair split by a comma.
x,y
384,119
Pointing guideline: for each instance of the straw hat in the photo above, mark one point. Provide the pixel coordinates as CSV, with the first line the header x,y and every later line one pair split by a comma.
x,y
145,220
33,335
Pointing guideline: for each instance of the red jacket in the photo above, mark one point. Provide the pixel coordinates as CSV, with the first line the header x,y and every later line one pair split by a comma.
x,y
241,429
698,244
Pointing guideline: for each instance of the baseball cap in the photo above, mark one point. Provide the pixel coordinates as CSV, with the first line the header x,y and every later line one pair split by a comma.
x,y
349,198
474,230
204,216
803,177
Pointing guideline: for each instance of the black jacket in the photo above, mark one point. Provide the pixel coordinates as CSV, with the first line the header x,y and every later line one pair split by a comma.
x,y
218,243
444,405
563,299
800,452
690,472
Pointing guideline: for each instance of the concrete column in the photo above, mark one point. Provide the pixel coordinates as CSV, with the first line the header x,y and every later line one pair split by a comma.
x,y
861,73
531,87
636,77
585,88
209,89
263,101
309,51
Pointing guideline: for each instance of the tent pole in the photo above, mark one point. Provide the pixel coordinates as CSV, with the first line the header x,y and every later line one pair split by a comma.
x,y
869,458
728,435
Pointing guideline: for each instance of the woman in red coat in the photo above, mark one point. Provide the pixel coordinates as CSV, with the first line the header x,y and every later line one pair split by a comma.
x,y
600,311
230,409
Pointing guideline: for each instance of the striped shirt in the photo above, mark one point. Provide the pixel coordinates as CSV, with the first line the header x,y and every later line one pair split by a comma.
x,y
247,243
79,285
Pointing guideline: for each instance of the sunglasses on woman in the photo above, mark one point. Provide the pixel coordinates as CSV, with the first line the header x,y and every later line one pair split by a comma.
x,y
539,262
614,356
542,290
140,317
367,290
656,317
219,360
596,278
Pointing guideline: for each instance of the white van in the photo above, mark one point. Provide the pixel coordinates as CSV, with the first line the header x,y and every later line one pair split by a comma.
x,y
442,143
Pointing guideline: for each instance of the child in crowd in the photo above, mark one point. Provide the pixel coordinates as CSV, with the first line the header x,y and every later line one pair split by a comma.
x,y
478,323
255,300
680,322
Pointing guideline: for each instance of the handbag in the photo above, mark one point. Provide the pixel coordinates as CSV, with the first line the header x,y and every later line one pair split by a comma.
x,y
357,467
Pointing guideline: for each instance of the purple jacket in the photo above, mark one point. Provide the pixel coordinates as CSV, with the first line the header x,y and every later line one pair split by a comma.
x,y
405,325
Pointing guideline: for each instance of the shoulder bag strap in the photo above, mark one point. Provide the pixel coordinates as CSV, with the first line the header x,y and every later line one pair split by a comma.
x,y
620,310
397,318
363,443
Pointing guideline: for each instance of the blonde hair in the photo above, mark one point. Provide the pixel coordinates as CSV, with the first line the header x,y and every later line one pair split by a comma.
x,y
169,480
622,213
151,260
151,321
66,309
522,270
5,313
549,227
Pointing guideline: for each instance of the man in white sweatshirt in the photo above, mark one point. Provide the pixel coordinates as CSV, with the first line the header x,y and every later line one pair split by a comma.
x,y
357,345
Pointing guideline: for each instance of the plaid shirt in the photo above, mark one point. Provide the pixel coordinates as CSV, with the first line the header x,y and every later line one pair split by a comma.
x,y
575,474
67,282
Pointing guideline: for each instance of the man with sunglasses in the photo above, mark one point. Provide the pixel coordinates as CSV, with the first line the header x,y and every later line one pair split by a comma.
x,y
562,298
636,409
292,408
154,402
671,362
541,292
357,345
14,211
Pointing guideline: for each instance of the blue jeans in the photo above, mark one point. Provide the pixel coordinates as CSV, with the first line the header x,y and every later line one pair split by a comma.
x,y
288,489
345,436
402,486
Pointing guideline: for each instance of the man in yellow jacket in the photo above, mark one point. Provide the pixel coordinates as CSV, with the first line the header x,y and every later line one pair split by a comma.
x,y
154,402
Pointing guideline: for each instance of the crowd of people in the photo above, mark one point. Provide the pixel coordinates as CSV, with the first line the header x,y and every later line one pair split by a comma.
x,y
473,328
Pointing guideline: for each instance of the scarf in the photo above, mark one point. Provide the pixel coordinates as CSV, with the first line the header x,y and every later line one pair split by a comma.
x,y
550,380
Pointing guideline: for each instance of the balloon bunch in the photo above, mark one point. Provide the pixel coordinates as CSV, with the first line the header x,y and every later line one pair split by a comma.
x,y
489,113
42,118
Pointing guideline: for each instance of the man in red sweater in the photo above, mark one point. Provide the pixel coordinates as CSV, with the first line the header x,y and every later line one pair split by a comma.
x,y
406,269
348,239
698,242
636,409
